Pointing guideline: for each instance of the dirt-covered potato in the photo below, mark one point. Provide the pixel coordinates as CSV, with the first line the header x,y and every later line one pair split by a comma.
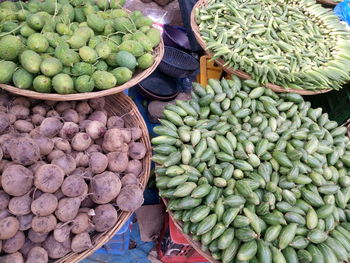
x,y
137,150
81,223
105,187
62,144
4,122
4,200
17,180
25,222
81,242
49,178
36,237
99,116
14,243
118,161
62,232
37,255
45,205
115,122
55,249
66,162
20,205
81,142
83,107
21,112
50,127
129,179
69,130
68,208
106,216
134,167
23,126
8,227
98,162
74,186
12,258
45,144
44,224
113,140
24,151
130,198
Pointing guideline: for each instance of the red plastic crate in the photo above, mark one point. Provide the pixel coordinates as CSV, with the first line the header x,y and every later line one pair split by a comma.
x,y
171,252
175,234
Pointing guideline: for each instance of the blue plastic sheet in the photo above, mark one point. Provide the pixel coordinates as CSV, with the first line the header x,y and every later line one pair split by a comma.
x,y
342,10
136,255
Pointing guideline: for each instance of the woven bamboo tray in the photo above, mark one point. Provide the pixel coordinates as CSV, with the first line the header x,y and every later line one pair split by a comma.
x,y
141,75
239,73
119,104
328,3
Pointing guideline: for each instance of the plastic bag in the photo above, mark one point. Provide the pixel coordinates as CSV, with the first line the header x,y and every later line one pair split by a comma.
x,y
342,10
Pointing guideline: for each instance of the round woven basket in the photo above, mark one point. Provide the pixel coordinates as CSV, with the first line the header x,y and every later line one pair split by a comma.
x,y
239,73
119,104
196,245
327,3
158,54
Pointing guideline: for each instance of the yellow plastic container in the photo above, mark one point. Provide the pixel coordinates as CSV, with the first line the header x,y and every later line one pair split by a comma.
x,y
209,70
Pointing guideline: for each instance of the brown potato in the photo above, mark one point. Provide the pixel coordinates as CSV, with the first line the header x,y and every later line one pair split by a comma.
x,y
49,178
8,227
14,244
137,150
74,186
68,208
36,237
50,127
130,198
118,161
37,255
113,140
81,142
66,162
81,242
45,205
17,180
45,144
134,167
81,223
4,200
12,258
24,151
105,187
98,162
55,249
44,224
62,232
106,216
25,222
20,205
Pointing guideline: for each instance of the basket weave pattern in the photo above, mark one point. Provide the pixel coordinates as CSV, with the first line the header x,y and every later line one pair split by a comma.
x,y
119,104
239,73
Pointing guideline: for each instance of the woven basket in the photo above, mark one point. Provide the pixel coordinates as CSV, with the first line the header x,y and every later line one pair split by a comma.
x,y
194,244
119,105
240,73
327,3
158,54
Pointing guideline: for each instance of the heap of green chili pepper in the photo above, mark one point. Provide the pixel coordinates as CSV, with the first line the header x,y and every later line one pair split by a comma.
x,y
294,44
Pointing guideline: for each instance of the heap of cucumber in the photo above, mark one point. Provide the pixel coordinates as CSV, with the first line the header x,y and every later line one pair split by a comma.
x,y
256,176
71,46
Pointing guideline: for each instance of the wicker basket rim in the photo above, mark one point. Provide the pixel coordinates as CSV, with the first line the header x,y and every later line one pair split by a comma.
x,y
240,73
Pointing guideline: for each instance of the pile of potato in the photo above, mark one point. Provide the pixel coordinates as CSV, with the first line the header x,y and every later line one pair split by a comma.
x,y
66,169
